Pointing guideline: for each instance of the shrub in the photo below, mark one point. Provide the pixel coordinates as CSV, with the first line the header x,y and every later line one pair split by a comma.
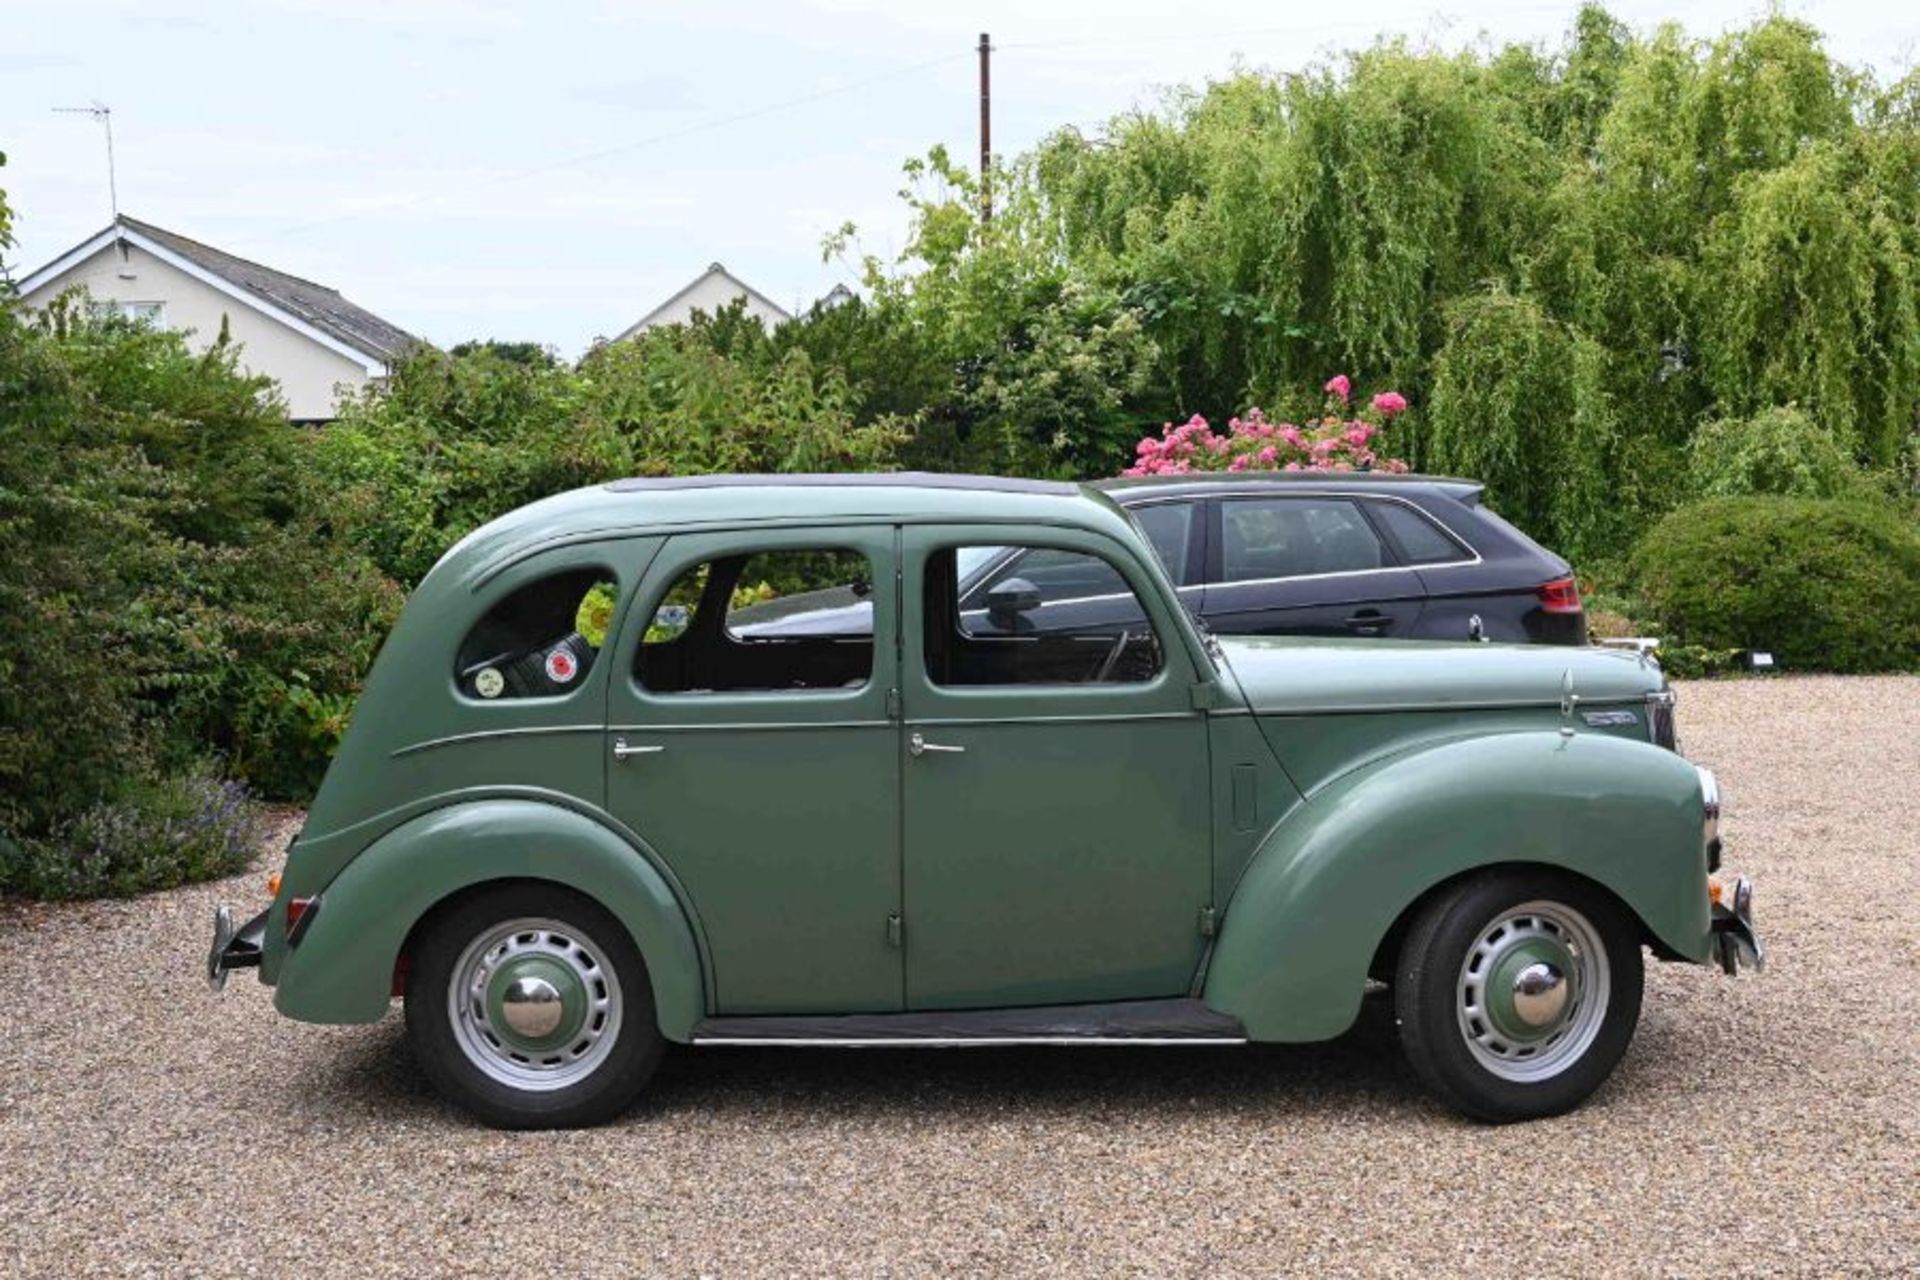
x,y
1338,440
153,836
1822,584
1780,450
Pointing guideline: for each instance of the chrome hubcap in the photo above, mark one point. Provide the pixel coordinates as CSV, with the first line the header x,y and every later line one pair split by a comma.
x,y
1533,991
532,1008
1539,994
534,1005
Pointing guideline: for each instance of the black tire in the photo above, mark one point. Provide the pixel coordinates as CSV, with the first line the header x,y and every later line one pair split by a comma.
x,y
1428,999
619,1071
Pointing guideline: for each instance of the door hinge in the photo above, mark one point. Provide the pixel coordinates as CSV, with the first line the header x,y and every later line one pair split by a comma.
x,y
895,930
1209,922
1203,694
893,704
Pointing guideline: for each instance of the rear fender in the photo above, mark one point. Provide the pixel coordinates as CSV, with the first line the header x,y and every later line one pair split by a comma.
x,y
342,971
1328,882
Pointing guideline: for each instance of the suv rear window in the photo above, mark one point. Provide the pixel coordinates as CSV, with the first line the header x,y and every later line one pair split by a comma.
x,y
1267,538
1421,539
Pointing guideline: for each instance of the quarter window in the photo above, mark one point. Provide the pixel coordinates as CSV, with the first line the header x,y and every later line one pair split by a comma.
x,y
540,640
1423,541
1295,537
1085,626
767,621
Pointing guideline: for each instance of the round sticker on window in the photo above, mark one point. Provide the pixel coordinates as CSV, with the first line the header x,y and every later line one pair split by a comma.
x,y
562,666
489,683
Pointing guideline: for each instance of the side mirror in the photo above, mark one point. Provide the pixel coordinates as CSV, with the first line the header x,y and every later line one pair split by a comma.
x,y
1008,599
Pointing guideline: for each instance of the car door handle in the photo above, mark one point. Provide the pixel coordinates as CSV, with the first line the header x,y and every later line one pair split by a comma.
x,y
919,746
621,750
1367,621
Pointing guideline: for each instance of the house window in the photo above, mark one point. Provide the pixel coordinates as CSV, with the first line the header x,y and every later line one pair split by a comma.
x,y
152,313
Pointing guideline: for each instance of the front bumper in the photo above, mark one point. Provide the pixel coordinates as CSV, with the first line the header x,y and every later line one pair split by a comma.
x,y
1735,943
233,949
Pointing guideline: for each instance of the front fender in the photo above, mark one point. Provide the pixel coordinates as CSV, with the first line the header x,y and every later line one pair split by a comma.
x,y
342,971
1328,882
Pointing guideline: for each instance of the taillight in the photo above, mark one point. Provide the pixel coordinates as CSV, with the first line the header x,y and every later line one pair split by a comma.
x,y
1562,595
300,914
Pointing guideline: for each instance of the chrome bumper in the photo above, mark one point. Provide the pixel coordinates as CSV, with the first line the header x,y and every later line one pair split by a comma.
x,y
1735,944
233,949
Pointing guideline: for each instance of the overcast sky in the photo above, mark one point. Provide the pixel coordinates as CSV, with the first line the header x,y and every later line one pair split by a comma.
x,y
552,171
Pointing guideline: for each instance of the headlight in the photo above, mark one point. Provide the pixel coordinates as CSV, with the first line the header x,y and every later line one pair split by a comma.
x,y
1710,816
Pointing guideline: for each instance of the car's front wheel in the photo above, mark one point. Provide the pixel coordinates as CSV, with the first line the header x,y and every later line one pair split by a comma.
x,y
1517,992
530,1006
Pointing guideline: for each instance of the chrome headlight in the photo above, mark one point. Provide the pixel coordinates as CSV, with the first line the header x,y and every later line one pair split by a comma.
x,y
1710,816
1661,730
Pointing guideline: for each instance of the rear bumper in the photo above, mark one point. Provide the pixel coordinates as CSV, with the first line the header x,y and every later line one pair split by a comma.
x,y
1736,944
233,948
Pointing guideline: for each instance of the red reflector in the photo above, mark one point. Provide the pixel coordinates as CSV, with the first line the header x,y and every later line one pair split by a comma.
x,y
1562,595
296,909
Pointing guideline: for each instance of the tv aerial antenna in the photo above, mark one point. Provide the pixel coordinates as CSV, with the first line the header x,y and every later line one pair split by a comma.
x,y
103,115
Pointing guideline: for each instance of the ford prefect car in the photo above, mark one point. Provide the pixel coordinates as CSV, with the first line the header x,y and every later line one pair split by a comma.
x,y
582,813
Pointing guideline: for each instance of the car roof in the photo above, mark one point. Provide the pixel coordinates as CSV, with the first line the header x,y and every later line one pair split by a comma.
x,y
670,504
1203,483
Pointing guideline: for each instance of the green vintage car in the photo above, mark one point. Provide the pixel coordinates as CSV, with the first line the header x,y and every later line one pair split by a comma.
x,y
589,805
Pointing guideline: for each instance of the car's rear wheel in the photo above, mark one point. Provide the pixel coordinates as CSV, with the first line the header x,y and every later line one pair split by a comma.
x,y
1517,993
530,1005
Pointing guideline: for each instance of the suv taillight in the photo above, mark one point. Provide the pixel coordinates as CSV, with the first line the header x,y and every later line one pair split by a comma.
x,y
1562,595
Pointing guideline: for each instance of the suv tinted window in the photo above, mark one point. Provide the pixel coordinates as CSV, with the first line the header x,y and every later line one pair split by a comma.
x,y
540,640
707,631
1291,537
1012,632
1420,538
1169,527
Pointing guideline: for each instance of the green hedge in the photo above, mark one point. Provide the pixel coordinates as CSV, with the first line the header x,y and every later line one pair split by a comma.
x,y
1823,585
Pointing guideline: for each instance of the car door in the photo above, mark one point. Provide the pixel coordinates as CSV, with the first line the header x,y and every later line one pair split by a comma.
x,y
1305,564
1056,816
765,769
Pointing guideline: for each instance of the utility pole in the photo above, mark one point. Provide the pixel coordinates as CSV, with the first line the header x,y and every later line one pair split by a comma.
x,y
102,113
986,131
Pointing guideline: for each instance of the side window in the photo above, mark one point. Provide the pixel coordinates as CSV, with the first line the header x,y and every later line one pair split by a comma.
x,y
1293,537
1422,540
539,641
1010,632
766,621
1169,527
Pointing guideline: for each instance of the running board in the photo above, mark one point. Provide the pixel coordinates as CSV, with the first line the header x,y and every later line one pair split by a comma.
x,y
1184,1021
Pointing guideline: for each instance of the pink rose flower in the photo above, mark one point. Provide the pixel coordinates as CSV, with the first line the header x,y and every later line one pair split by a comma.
x,y
1389,403
1339,385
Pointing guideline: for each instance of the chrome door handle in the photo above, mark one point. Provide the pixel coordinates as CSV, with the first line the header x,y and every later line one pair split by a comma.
x,y
919,746
621,750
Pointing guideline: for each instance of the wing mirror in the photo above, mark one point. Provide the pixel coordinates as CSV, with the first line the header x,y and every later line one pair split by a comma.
x,y
1008,599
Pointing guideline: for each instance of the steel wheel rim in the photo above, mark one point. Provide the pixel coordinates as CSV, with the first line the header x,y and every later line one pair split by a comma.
x,y
547,947
1523,934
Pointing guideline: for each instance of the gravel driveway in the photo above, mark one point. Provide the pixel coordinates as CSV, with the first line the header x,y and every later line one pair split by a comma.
x,y
1768,1124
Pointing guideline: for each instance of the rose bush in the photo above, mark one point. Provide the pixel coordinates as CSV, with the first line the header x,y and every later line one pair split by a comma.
x,y
1341,439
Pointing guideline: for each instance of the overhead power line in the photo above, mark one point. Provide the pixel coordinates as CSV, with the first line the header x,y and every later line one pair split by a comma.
x,y
652,140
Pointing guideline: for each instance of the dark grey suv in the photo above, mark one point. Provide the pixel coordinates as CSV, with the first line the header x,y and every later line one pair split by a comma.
x,y
1278,553
1351,553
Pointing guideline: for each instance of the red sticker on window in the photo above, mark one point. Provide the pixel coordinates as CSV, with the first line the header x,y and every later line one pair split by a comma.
x,y
561,667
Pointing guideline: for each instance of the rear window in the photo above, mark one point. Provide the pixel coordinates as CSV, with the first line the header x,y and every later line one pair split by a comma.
x,y
1421,538
541,640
